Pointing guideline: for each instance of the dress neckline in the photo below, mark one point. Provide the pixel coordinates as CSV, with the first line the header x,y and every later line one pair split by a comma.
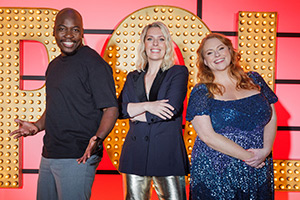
x,y
243,98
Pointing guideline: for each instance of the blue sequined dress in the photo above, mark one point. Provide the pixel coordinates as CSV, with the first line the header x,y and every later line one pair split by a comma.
x,y
216,176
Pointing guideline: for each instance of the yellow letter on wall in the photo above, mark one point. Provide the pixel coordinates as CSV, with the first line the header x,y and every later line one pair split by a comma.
x,y
18,24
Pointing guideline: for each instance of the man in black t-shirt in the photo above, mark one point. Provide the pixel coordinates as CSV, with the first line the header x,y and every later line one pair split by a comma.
x,y
81,110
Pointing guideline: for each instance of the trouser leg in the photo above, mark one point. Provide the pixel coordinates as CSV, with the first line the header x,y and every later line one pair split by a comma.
x,y
46,188
73,181
136,187
170,187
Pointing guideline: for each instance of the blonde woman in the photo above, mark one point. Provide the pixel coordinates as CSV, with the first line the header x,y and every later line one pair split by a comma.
x,y
152,98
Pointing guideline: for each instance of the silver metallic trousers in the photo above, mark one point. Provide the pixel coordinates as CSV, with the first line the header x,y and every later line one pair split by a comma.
x,y
166,187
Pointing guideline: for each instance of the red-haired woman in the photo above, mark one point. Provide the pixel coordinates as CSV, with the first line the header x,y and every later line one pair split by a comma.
x,y
233,114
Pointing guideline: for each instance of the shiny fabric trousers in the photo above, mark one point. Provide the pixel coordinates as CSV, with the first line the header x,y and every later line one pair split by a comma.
x,y
166,187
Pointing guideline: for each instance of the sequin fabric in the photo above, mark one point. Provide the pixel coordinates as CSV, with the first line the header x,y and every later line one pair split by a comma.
x,y
216,176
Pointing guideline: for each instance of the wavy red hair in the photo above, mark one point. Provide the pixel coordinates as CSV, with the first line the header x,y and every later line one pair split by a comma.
x,y
207,77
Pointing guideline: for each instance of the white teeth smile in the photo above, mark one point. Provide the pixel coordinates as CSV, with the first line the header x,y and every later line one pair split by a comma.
x,y
68,44
155,50
219,60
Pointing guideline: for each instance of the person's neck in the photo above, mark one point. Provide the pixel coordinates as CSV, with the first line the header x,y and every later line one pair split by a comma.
x,y
223,77
153,67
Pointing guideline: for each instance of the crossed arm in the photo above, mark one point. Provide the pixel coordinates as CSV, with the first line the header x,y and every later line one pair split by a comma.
x,y
160,108
163,109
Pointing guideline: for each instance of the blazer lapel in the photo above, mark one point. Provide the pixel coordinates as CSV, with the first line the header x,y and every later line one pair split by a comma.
x,y
139,86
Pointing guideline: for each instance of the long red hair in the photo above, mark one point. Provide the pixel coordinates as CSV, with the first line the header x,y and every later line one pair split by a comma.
x,y
207,77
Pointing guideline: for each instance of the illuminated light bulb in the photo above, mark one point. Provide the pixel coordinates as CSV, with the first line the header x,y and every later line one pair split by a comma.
x,y
281,187
7,183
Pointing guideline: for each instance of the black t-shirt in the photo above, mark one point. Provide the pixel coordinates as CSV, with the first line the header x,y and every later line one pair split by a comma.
x,y
78,87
